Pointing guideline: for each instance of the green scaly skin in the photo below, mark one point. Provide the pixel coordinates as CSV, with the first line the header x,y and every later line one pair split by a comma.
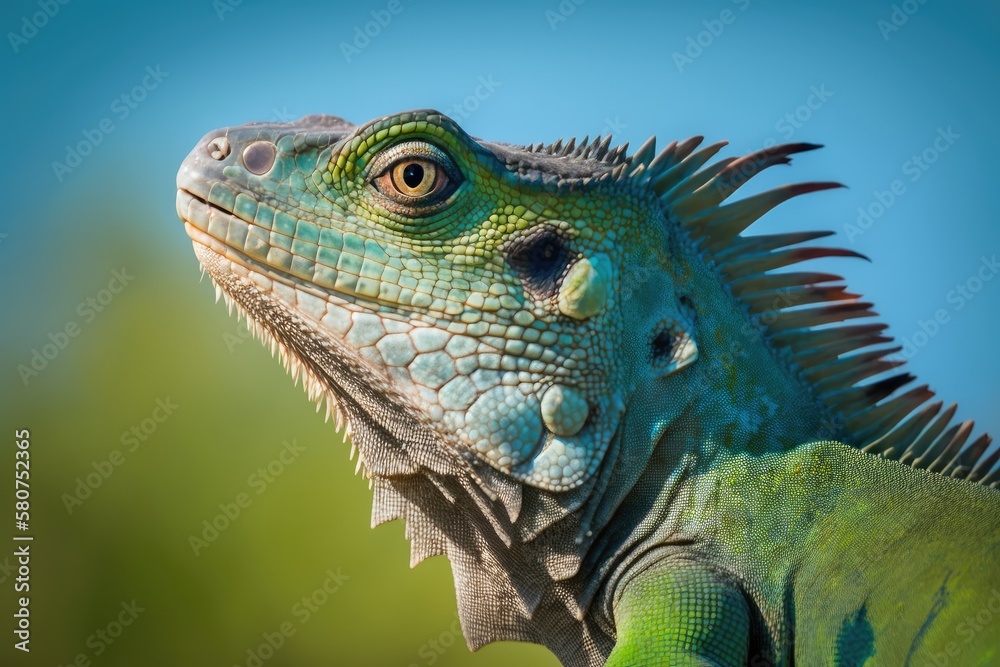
x,y
568,371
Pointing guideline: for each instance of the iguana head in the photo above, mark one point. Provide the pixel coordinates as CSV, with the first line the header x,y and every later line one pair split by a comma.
x,y
471,293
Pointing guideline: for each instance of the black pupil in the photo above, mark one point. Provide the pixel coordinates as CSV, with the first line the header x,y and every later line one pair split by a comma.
x,y
413,174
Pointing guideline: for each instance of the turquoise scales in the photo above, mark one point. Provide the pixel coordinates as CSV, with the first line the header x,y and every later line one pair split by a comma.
x,y
561,364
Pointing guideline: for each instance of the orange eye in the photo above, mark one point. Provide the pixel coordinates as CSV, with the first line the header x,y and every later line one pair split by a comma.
x,y
414,177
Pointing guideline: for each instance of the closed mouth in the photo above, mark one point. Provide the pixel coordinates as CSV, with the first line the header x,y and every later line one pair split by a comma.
x,y
189,202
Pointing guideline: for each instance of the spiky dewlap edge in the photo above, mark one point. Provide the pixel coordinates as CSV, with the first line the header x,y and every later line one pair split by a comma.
x,y
835,359
314,387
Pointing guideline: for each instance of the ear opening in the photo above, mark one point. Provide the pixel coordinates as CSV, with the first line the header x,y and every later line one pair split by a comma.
x,y
671,345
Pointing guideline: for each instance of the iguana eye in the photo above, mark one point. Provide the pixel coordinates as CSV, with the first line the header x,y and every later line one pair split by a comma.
x,y
415,178
415,174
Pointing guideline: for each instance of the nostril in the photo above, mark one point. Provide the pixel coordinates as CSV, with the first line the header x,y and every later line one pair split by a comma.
x,y
258,157
219,148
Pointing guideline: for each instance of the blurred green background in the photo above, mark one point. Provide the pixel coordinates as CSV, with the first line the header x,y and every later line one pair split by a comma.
x,y
876,82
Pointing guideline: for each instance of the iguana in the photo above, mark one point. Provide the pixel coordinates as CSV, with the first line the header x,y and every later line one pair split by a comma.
x,y
637,436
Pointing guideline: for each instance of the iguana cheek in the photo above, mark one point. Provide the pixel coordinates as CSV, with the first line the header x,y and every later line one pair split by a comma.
x,y
504,426
565,461
549,442
507,424
512,411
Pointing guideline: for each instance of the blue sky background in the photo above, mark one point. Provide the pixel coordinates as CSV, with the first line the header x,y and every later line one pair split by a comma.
x,y
888,91
605,65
